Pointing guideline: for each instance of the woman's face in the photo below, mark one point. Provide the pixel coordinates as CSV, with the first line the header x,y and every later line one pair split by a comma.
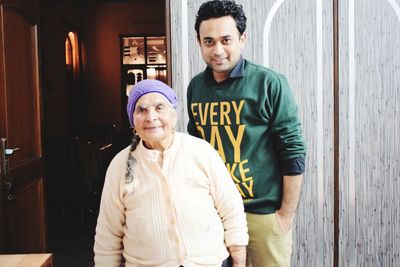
x,y
154,119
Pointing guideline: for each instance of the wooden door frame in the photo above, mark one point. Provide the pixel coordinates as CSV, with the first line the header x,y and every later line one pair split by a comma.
x,y
168,35
336,115
2,118
32,162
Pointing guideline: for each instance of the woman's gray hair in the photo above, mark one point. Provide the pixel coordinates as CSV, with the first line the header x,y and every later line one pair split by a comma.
x,y
131,161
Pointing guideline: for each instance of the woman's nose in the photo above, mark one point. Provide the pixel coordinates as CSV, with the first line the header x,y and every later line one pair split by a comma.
x,y
151,115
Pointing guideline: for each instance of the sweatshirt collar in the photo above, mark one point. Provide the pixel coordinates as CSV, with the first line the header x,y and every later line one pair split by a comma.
x,y
236,72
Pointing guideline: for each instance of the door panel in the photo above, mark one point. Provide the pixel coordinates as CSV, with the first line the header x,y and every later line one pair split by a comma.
x,y
27,222
22,205
21,100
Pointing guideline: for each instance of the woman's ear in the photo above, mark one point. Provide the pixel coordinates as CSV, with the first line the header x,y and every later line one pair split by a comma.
x,y
175,118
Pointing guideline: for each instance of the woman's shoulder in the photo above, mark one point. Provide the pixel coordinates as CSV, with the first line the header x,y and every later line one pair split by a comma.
x,y
194,144
120,158
190,139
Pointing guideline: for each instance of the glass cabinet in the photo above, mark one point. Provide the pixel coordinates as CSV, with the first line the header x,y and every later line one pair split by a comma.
x,y
143,57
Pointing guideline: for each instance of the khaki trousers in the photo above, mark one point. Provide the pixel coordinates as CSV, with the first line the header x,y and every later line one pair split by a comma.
x,y
268,246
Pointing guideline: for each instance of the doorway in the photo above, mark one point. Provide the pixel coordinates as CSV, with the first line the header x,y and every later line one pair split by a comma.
x,y
83,110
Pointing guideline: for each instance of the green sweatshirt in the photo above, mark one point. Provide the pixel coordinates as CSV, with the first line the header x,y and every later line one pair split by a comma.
x,y
251,119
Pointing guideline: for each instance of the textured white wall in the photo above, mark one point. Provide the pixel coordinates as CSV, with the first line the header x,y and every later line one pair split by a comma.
x,y
370,128
295,37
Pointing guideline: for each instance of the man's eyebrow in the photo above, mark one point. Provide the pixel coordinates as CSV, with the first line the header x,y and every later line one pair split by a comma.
x,y
226,36
207,38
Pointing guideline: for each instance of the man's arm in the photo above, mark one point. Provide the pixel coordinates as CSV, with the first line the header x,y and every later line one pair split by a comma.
x,y
290,199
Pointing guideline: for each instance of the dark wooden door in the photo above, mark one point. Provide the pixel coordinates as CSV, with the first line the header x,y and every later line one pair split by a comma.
x,y
22,201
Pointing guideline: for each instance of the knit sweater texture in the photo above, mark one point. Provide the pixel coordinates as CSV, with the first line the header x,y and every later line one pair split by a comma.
x,y
252,121
186,212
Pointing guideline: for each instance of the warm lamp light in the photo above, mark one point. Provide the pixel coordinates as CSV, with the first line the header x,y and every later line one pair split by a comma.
x,y
151,73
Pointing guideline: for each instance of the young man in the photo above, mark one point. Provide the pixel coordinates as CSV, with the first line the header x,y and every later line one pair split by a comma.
x,y
247,112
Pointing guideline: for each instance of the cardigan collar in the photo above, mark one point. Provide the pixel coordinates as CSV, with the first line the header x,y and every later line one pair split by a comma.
x,y
155,155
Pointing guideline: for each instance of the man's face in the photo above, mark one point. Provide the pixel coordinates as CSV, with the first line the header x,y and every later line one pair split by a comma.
x,y
221,45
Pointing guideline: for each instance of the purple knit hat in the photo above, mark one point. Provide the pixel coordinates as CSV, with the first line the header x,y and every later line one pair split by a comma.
x,y
149,86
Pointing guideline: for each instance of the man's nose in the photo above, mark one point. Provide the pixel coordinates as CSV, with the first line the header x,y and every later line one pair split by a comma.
x,y
218,49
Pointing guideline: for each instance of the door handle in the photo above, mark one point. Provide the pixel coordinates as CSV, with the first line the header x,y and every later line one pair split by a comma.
x,y
4,152
9,151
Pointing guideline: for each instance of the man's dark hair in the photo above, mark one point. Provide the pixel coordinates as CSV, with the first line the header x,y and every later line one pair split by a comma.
x,y
221,8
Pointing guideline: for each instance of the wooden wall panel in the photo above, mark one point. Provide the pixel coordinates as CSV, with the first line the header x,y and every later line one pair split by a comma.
x,y
370,129
295,38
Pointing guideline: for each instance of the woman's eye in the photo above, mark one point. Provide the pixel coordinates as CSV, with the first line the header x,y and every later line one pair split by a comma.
x,y
140,110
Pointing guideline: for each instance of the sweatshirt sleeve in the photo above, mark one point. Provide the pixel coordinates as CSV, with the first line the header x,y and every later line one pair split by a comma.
x,y
228,202
286,126
109,230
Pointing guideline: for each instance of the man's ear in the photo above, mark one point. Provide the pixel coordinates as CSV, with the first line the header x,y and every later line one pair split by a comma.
x,y
243,37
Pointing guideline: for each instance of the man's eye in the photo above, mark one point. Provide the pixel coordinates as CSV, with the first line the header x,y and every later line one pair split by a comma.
x,y
227,41
160,107
208,42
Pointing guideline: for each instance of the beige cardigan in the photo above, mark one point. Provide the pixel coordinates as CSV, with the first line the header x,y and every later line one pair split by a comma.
x,y
185,213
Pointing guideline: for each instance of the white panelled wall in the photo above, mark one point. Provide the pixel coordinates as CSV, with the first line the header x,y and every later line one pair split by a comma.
x,y
369,130
295,37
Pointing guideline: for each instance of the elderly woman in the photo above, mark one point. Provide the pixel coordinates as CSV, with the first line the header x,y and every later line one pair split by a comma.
x,y
168,199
